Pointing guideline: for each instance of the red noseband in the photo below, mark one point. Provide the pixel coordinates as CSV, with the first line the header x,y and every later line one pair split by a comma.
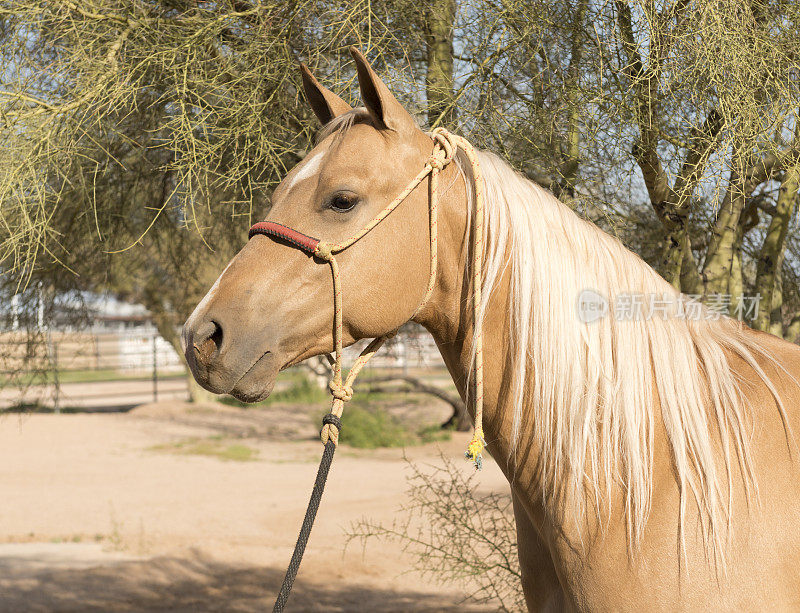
x,y
297,239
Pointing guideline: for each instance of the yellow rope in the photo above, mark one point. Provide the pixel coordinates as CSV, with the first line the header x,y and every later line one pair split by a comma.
x,y
476,445
445,146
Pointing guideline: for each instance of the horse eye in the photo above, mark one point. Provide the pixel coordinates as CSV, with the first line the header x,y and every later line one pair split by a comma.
x,y
342,202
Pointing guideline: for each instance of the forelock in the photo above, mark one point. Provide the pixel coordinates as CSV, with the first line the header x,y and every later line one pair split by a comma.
x,y
342,123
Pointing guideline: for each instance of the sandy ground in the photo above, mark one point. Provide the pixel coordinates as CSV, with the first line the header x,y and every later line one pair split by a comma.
x,y
99,513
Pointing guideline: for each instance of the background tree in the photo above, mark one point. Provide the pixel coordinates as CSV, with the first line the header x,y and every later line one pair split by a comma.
x,y
140,138
687,107
139,144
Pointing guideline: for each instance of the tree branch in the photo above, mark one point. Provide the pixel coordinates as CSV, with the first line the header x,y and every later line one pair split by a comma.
x,y
459,416
645,83
701,145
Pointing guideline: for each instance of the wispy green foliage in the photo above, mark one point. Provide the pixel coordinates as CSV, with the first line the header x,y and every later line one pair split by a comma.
x,y
161,126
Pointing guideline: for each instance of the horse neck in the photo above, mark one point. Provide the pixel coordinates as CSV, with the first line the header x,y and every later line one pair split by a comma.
x,y
543,461
448,316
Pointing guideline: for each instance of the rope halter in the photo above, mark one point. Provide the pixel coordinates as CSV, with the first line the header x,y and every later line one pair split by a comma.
x,y
445,146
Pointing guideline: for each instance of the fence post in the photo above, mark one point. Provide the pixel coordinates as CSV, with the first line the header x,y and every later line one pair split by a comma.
x,y
155,367
54,353
96,350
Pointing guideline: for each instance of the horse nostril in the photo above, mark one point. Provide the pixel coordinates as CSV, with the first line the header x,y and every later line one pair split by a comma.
x,y
209,341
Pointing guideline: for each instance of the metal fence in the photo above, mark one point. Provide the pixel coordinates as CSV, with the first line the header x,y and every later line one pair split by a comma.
x,y
89,370
108,370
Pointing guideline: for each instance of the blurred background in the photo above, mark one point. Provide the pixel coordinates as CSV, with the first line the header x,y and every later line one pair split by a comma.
x,y
141,140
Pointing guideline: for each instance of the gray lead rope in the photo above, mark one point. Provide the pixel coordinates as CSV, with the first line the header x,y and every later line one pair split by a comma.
x,y
311,514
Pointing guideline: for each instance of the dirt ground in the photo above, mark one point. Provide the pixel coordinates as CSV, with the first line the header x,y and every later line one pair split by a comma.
x,y
145,511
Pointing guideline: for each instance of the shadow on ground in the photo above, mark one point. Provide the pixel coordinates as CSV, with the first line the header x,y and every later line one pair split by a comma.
x,y
184,585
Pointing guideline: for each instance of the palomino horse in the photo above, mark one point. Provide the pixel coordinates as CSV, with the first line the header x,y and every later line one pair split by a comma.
x,y
651,454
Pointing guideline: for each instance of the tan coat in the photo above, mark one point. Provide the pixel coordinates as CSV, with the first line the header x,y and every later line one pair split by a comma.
x,y
273,307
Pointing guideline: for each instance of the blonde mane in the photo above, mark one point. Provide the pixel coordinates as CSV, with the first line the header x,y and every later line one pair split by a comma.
x,y
590,391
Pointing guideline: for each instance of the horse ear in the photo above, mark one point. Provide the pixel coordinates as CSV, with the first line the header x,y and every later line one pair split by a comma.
x,y
325,104
381,104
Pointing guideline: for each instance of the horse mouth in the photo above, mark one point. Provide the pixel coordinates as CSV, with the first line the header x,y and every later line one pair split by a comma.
x,y
252,385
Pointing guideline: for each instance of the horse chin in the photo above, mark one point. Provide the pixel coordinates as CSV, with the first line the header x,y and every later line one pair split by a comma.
x,y
252,395
256,384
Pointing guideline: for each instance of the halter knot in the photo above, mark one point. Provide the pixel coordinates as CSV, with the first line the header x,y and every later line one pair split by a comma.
x,y
340,392
444,143
323,251
437,160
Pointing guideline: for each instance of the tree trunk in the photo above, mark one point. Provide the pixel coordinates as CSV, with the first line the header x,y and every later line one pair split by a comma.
x,y
691,283
674,256
735,288
722,250
771,258
565,186
776,316
439,18
793,330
